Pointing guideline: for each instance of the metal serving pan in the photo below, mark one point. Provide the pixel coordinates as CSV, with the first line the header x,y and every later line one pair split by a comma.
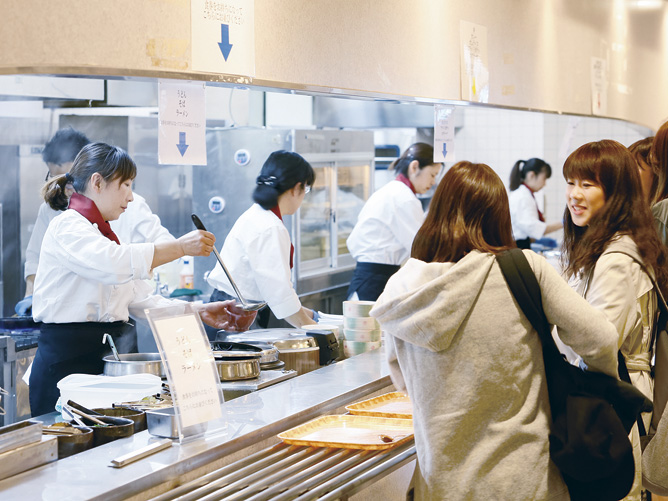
x,y
162,423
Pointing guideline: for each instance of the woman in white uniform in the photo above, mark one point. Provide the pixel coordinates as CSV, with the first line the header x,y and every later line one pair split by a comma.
x,y
383,235
526,178
88,283
258,252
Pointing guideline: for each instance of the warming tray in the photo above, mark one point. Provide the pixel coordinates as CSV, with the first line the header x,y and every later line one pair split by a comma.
x,y
19,434
350,432
391,405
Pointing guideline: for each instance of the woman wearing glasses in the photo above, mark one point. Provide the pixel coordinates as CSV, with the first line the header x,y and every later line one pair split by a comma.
x,y
258,252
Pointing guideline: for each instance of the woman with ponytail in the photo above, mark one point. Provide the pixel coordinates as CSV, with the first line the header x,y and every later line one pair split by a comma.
x,y
258,252
88,283
526,178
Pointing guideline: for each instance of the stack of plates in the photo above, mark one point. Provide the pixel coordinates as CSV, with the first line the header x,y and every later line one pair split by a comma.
x,y
360,331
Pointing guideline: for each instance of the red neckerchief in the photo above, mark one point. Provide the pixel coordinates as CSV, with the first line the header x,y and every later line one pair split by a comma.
x,y
540,214
403,179
87,208
277,211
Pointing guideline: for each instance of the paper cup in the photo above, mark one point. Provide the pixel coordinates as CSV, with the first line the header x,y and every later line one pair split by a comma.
x,y
365,336
357,308
352,348
360,323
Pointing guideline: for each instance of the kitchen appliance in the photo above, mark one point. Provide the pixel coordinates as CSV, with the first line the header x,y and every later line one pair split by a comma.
x,y
299,351
327,344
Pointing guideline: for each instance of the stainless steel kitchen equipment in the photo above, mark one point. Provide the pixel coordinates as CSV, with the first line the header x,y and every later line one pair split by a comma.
x,y
18,346
134,363
238,368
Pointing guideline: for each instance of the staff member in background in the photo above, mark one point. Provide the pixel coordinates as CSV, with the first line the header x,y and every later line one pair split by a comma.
x,y
138,224
382,238
258,252
526,178
87,282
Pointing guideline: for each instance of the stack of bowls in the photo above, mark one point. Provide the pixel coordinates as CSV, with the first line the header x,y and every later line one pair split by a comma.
x,y
361,332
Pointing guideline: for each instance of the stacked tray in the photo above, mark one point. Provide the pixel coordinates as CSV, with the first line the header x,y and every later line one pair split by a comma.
x,y
360,331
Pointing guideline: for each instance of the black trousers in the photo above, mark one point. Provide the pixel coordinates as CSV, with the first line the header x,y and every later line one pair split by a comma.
x,y
369,280
65,349
525,243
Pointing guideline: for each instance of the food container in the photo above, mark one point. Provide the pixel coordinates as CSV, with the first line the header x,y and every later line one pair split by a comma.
x,y
134,363
15,461
236,369
19,434
74,442
119,428
363,323
357,308
365,336
163,423
138,417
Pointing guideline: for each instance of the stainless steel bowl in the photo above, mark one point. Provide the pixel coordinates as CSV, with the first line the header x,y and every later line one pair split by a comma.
x,y
233,370
134,363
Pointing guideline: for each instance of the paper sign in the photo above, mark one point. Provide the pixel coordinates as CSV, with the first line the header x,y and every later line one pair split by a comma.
x,y
444,134
474,69
182,123
193,375
223,36
599,86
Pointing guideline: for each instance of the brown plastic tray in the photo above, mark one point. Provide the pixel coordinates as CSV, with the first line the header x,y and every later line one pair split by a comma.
x,y
391,405
350,432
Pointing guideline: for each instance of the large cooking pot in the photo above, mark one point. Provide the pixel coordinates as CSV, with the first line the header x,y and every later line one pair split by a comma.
x,y
236,361
297,350
134,363
268,353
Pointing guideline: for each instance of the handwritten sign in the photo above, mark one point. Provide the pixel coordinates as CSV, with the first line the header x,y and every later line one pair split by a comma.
x,y
599,86
444,134
223,36
474,68
192,369
182,123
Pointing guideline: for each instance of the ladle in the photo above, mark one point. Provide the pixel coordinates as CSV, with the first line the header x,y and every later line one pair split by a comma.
x,y
244,305
106,338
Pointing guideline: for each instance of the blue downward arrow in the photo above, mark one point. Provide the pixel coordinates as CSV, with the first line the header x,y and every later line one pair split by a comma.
x,y
182,146
225,45
445,150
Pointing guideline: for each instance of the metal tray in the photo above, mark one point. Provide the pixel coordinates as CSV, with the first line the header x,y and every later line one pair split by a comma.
x,y
28,456
19,434
162,423
350,432
391,405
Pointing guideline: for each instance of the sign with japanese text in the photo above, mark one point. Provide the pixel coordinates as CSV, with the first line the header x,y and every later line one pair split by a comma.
x,y
182,123
599,86
474,68
223,36
192,369
444,134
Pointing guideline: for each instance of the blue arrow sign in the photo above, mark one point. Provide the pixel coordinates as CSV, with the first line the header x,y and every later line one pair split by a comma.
x,y
225,45
445,150
182,146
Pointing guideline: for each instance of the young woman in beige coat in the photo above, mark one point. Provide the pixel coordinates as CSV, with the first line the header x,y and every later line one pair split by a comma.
x,y
611,248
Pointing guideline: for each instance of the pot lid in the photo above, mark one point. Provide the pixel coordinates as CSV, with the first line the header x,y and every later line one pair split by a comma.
x,y
229,350
283,339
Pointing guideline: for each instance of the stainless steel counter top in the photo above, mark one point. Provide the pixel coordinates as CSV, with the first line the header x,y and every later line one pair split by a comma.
x,y
247,420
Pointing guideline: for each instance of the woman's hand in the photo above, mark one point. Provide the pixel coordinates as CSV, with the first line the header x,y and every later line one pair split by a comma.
x,y
197,243
226,315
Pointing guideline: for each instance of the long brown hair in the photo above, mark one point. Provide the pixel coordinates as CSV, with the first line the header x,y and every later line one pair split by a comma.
x,y
659,162
469,211
612,167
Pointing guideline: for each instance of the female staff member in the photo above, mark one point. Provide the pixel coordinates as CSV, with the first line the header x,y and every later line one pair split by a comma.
x,y
465,379
257,251
381,240
608,233
87,283
526,178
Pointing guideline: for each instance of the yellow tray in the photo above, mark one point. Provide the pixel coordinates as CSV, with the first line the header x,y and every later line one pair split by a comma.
x,y
350,432
391,405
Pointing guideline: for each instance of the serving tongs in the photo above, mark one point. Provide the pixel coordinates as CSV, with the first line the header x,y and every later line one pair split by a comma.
x,y
243,304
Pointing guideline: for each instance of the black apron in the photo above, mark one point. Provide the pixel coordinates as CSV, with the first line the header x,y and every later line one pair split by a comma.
x,y
525,243
369,280
65,349
260,322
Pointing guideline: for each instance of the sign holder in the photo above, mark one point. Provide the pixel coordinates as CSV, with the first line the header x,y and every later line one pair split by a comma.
x,y
190,367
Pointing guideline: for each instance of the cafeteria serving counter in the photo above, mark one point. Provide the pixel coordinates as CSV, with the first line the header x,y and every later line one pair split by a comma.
x,y
249,426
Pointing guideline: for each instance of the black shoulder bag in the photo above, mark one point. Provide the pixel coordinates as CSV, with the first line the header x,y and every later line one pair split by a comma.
x,y
592,413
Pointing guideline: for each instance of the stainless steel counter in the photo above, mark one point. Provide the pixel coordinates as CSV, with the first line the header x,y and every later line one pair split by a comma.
x,y
247,420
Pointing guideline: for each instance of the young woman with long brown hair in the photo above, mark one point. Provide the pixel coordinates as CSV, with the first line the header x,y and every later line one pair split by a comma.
x,y
611,248
471,362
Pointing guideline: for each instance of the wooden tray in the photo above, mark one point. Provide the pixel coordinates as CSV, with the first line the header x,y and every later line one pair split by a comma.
x,y
391,405
350,432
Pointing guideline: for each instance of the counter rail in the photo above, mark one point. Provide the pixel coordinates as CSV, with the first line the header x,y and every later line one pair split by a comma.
x,y
284,472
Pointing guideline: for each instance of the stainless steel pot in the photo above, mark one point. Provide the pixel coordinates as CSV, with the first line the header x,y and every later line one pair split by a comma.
x,y
236,369
134,363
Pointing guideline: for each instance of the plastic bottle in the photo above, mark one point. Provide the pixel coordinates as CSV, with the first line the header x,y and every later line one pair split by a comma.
x,y
187,273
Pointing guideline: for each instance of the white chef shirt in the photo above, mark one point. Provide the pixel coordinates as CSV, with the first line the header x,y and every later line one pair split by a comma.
x,y
256,252
524,215
82,276
136,225
386,226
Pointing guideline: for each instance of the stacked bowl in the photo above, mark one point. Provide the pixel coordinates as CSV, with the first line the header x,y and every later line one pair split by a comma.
x,y
361,332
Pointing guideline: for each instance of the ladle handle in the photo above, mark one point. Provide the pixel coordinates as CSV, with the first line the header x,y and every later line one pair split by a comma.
x,y
106,338
200,226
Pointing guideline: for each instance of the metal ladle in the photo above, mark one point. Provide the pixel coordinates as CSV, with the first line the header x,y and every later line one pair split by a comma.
x,y
106,338
244,305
